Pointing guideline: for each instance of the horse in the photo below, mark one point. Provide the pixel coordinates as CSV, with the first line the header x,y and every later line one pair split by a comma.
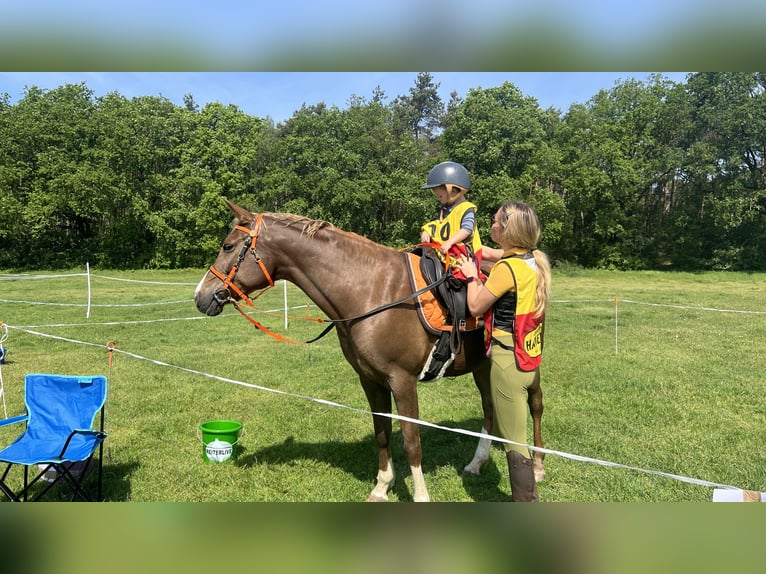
x,y
346,276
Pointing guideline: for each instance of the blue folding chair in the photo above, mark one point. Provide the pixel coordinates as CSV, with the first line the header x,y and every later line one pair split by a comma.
x,y
59,436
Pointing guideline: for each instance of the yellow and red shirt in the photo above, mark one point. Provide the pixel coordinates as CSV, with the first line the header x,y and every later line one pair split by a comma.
x,y
513,280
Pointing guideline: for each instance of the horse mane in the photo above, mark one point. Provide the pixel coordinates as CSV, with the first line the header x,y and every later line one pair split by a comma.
x,y
312,226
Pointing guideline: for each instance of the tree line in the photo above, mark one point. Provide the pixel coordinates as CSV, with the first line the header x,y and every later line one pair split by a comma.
x,y
648,174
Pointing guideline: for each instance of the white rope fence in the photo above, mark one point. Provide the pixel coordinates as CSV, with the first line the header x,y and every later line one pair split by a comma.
x,y
89,305
617,300
479,435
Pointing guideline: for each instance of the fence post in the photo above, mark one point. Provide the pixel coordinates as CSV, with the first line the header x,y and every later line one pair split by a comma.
x,y
87,272
284,290
616,338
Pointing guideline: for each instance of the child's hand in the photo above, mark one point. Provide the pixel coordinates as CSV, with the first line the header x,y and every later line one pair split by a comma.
x,y
424,237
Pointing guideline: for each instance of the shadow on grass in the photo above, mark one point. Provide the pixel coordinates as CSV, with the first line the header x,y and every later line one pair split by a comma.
x,y
115,486
359,459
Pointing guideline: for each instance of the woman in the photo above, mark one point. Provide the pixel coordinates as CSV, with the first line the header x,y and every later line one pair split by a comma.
x,y
518,287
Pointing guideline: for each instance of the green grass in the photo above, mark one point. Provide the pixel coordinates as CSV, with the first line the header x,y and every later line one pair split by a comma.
x,y
668,389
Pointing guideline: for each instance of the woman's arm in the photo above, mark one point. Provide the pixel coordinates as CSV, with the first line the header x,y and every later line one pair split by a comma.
x,y
478,297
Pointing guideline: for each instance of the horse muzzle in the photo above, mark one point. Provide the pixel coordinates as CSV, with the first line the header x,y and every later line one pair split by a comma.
x,y
212,305
222,296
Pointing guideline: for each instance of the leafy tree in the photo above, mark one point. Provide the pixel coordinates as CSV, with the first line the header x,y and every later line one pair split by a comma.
x,y
421,112
643,175
506,142
727,177
615,168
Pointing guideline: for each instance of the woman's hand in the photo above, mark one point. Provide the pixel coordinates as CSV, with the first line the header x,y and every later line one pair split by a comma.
x,y
467,266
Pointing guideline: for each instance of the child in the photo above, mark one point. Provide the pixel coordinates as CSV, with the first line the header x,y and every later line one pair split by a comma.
x,y
455,228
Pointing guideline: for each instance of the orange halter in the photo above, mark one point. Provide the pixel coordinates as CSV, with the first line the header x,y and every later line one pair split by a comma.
x,y
249,245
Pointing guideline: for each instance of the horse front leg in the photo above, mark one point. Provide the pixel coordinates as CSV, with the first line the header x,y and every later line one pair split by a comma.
x,y
380,401
407,405
481,456
535,402
414,453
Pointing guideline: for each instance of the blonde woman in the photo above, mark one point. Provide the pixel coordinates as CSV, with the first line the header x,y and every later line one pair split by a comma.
x,y
518,289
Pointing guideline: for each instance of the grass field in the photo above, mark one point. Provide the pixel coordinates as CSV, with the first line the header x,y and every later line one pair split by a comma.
x,y
666,379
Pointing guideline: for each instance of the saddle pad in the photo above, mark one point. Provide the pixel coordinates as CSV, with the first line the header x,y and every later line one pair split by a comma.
x,y
431,314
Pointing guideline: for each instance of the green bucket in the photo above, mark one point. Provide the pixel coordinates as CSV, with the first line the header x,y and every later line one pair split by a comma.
x,y
219,440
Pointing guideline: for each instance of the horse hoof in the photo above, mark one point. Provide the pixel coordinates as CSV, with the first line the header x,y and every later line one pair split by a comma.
x,y
539,475
474,469
376,498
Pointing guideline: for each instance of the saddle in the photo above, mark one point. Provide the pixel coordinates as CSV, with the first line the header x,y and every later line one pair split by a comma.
x,y
451,295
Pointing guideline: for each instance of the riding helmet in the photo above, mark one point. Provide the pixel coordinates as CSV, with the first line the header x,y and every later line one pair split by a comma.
x,y
448,172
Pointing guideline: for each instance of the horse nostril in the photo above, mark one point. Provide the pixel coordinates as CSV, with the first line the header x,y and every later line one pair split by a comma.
x,y
222,295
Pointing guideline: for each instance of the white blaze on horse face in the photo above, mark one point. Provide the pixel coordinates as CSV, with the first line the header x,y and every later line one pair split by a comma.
x,y
199,285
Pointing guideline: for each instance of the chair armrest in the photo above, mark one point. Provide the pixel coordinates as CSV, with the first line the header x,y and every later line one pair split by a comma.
x,y
12,420
100,435
91,432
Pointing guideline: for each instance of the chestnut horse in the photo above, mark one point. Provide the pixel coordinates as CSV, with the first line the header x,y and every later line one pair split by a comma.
x,y
347,276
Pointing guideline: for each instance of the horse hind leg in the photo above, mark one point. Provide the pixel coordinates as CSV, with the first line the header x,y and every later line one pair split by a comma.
x,y
481,456
384,479
535,403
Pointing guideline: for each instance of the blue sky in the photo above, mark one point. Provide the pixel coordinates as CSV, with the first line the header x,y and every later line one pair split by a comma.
x,y
279,94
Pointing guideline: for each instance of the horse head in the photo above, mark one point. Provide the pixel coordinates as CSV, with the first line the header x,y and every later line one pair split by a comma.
x,y
238,270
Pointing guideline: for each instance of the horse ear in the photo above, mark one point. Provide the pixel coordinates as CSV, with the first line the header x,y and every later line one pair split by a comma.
x,y
242,214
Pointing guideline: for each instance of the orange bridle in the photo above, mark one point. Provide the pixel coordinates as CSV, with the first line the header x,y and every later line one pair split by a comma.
x,y
249,245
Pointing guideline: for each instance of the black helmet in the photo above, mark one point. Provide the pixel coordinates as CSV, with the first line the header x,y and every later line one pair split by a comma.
x,y
448,172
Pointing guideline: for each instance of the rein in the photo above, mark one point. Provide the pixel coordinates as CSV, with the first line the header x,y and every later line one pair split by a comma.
x,y
333,322
249,245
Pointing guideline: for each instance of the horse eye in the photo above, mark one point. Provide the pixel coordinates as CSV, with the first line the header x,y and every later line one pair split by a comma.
x,y
228,247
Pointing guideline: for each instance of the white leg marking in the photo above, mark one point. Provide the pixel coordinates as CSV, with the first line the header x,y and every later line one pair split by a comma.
x,y
385,479
419,485
480,456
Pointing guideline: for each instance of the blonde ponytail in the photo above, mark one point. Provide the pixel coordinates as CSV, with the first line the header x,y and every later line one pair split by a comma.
x,y
543,282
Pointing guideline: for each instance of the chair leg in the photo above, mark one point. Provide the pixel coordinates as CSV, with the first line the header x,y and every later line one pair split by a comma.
x,y
4,488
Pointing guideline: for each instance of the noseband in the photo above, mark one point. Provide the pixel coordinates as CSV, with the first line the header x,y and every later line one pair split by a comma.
x,y
228,279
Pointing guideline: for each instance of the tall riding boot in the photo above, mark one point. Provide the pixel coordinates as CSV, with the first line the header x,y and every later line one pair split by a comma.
x,y
522,474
